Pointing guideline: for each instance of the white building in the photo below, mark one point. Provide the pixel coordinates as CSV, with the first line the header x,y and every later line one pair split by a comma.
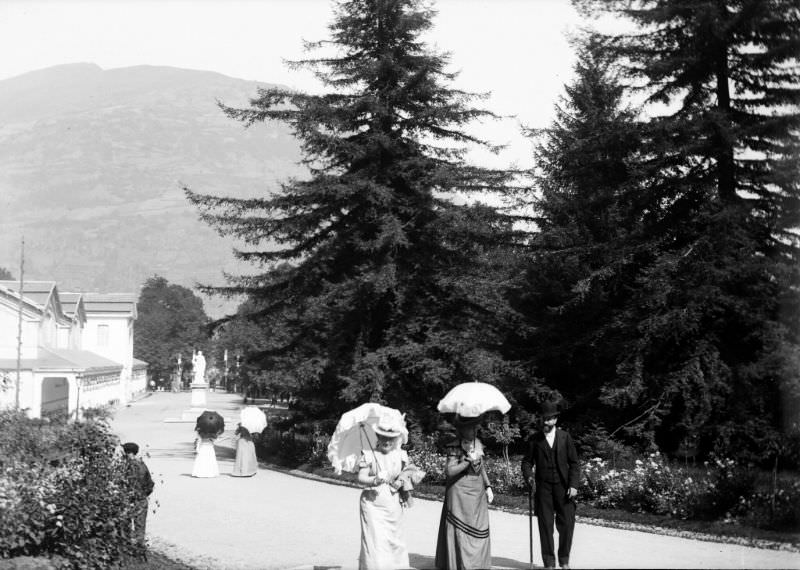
x,y
76,353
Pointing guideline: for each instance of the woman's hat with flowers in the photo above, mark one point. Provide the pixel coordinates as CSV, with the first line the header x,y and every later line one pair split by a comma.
x,y
389,426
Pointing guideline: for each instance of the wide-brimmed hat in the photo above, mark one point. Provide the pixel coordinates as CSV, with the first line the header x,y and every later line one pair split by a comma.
x,y
549,409
386,427
466,421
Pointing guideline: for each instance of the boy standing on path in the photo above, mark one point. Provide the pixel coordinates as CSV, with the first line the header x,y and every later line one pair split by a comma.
x,y
142,485
551,467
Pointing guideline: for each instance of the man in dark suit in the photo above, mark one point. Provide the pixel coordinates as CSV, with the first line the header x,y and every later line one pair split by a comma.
x,y
551,467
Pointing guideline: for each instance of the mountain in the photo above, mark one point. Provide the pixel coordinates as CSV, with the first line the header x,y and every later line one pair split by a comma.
x,y
91,167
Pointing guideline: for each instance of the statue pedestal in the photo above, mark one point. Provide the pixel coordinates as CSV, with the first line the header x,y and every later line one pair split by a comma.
x,y
199,390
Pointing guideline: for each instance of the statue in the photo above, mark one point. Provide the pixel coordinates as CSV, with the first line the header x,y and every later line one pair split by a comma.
x,y
199,367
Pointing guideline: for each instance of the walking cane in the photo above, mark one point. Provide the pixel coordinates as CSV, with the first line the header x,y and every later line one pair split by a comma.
x,y
530,521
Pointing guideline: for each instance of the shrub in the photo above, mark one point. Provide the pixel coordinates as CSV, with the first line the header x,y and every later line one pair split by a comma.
x,y
775,510
77,506
505,477
288,449
722,492
426,456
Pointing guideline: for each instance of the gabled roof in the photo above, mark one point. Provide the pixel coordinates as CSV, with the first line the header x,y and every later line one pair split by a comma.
x,y
36,293
119,303
69,302
73,306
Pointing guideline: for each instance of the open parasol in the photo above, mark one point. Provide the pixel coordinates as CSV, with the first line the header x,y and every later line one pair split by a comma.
x,y
252,419
354,433
471,399
209,424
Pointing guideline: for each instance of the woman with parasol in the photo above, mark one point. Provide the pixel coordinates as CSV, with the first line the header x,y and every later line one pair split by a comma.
x,y
251,421
463,540
208,427
387,474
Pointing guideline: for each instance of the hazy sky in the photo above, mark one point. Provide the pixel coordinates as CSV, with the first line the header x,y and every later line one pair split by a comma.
x,y
516,49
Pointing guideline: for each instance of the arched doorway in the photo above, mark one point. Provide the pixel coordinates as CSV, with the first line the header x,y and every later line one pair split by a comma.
x,y
55,397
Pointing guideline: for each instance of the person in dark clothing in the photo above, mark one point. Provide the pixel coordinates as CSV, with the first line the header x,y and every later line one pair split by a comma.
x,y
142,485
551,468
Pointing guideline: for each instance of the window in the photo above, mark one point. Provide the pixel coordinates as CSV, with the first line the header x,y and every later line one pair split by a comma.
x,y
102,335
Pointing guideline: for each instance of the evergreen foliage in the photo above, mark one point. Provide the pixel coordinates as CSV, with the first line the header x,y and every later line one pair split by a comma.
x,y
585,254
382,287
705,338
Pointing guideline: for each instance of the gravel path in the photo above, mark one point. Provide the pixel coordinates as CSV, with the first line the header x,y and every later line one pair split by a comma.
x,y
277,520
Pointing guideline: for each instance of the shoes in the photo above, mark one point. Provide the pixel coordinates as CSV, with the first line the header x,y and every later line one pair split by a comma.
x,y
565,567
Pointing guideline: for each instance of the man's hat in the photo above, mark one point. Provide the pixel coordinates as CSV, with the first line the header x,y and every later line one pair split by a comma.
x,y
549,409
130,447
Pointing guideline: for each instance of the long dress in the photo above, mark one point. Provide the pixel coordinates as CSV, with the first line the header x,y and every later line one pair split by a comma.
x,y
246,463
463,540
205,460
383,543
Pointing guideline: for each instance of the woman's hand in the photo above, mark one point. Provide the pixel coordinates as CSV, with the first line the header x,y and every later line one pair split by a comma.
x,y
489,495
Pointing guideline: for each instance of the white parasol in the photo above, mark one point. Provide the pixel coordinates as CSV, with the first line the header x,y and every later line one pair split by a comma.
x,y
354,434
252,419
471,399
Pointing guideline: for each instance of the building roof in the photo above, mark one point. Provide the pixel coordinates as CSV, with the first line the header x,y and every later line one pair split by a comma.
x,y
120,303
139,363
63,359
36,292
69,302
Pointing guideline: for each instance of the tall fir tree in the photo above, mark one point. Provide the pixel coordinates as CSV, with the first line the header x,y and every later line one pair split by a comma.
x,y
585,251
379,280
714,360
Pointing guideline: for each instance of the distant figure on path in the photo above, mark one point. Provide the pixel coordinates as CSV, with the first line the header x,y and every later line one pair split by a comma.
x,y
551,467
246,464
383,543
463,540
209,427
199,367
142,485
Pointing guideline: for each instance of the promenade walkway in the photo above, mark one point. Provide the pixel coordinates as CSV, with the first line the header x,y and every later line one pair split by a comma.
x,y
276,520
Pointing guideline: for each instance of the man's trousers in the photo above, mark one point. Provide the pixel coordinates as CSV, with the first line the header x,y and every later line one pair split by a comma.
x,y
552,505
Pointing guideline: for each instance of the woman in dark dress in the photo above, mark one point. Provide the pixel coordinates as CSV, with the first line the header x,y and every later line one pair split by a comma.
x,y
464,527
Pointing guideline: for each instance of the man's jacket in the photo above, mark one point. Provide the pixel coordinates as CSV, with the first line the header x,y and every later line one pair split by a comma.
x,y
566,456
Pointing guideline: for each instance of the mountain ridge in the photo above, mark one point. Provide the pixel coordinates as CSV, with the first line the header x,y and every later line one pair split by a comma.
x,y
93,177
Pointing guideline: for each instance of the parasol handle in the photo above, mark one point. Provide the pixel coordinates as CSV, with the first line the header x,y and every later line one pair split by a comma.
x,y
375,457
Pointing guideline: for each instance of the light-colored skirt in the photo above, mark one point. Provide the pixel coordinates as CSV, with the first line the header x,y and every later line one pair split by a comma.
x,y
383,542
205,462
246,463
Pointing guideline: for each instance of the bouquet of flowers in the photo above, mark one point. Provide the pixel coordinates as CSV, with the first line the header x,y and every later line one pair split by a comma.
x,y
411,475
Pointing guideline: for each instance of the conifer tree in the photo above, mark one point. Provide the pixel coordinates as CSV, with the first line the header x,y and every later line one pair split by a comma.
x,y
377,278
716,350
584,255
